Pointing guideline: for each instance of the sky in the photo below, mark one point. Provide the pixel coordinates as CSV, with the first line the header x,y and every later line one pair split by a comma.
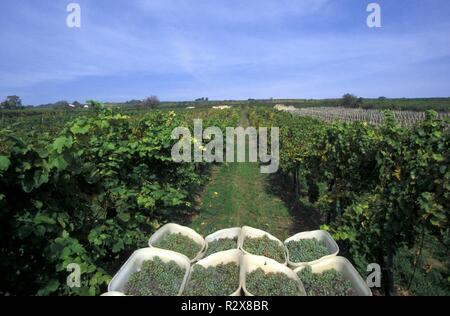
x,y
223,49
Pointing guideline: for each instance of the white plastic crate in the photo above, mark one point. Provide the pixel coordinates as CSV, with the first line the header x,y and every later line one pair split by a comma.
x,y
342,265
230,233
113,293
250,263
320,235
134,263
257,233
183,230
217,258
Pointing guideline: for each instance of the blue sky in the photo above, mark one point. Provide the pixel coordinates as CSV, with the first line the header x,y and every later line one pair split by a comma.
x,y
223,49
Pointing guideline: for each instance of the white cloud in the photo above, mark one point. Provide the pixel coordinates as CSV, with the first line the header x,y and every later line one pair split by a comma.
x,y
235,48
229,10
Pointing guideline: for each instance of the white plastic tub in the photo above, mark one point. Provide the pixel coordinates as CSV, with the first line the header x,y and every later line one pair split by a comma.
x,y
341,264
233,255
183,230
320,235
229,233
250,263
134,263
251,232
112,293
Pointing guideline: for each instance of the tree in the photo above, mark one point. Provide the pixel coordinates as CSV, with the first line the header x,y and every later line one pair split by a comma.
x,y
151,102
359,102
12,102
77,104
351,101
95,105
134,103
61,104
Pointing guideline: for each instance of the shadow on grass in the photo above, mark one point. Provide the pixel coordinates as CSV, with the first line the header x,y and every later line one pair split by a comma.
x,y
305,217
184,216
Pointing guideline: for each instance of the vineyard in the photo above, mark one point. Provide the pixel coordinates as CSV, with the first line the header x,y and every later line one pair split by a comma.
x,y
89,194
190,149
90,188
377,117
380,188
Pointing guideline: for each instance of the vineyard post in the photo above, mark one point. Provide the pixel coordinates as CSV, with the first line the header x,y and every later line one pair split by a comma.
x,y
388,275
292,178
417,259
295,182
328,220
288,179
297,171
333,210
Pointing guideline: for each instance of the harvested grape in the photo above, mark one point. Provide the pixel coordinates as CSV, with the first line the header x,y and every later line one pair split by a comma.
x,y
156,278
264,246
221,244
179,243
305,250
327,283
260,283
221,280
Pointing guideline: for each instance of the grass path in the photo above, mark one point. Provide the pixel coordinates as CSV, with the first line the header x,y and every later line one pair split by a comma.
x,y
238,194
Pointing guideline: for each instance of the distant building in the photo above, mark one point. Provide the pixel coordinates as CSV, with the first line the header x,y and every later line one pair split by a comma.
x,y
282,107
221,107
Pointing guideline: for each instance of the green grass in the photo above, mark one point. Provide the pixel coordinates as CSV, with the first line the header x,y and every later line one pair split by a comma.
x,y
238,195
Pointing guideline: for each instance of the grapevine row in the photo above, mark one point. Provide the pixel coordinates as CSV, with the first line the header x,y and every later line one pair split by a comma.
x,y
89,195
331,114
378,186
